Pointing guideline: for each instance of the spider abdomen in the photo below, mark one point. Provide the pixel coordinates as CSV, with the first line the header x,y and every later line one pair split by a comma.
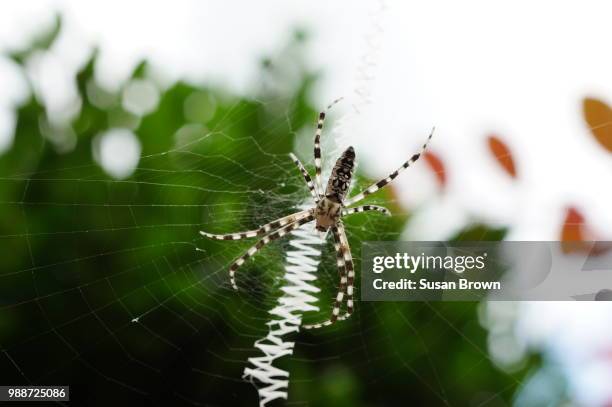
x,y
340,178
329,207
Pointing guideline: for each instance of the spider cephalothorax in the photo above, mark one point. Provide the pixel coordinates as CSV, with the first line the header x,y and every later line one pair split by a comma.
x,y
330,207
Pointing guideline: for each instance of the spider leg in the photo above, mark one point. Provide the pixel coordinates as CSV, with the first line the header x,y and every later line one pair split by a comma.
x,y
380,184
309,183
317,147
259,245
267,228
341,287
350,272
364,208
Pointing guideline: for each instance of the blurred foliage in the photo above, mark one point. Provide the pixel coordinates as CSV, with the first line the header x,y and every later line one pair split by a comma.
x,y
83,254
598,116
42,42
502,154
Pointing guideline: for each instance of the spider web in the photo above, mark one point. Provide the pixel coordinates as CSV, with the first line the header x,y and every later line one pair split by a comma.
x,y
107,285
130,250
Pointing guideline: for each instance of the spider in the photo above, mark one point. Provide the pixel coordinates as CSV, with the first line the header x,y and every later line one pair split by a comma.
x,y
330,207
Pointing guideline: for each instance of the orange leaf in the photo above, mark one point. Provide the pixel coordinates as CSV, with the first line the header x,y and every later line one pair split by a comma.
x,y
437,166
577,237
573,227
598,116
502,155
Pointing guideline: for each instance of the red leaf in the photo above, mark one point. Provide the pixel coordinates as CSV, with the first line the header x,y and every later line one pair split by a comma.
x,y
502,154
437,166
598,116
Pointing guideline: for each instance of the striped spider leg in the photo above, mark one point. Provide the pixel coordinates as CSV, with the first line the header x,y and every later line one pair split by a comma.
x,y
383,182
341,264
262,230
346,269
365,208
317,147
311,186
350,271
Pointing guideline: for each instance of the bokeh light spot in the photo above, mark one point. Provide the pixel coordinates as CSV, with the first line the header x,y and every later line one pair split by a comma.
x,y
118,152
140,97
200,107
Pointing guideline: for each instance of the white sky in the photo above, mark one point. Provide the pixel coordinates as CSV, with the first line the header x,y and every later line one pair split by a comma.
x,y
469,68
